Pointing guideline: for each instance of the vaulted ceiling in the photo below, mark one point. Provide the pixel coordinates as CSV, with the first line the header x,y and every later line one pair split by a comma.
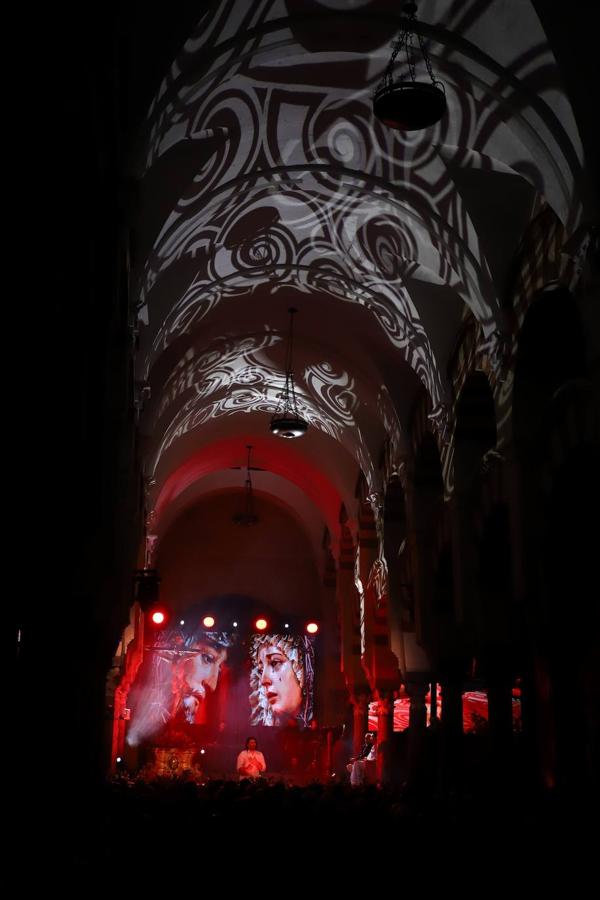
x,y
266,182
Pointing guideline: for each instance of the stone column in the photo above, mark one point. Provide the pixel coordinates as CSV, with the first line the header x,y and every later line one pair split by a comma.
x,y
417,727
500,725
434,713
452,734
385,731
360,724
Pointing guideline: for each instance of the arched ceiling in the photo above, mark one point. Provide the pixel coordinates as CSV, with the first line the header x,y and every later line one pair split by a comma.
x,y
266,182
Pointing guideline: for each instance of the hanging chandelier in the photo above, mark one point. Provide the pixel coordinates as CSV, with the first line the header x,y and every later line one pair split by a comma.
x,y
403,103
248,516
287,422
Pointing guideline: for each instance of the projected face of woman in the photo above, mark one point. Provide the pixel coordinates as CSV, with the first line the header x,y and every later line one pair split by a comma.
x,y
278,680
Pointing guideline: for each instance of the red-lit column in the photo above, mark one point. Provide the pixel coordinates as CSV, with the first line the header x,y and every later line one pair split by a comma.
x,y
328,754
332,693
385,731
434,713
451,734
379,662
417,727
360,724
348,605
132,647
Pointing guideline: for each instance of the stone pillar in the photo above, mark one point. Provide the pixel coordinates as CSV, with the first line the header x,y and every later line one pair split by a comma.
x,y
360,723
500,725
119,683
328,764
417,728
544,725
385,731
452,734
434,717
331,695
467,610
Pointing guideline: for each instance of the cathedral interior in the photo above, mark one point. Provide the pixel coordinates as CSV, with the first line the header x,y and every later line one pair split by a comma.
x,y
291,359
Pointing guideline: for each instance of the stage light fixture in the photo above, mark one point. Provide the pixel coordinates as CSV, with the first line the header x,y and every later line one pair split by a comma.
x,y
261,624
235,624
208,621
287,625
312,628
182,621
147,588
158,617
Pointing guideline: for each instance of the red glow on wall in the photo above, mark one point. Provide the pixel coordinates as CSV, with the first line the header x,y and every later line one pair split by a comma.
x,y
273,455
475,711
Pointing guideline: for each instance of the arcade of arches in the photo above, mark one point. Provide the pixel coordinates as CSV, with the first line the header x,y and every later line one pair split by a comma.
x,y
437,517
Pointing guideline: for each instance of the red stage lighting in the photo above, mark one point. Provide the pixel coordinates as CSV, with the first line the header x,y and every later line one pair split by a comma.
x,y
312,627
261,624
208,621
158,617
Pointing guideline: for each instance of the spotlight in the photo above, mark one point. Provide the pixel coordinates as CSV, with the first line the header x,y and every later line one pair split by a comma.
x,y
261,624
287,625
312,628
158,617
235,624
203,751
208,621
182,621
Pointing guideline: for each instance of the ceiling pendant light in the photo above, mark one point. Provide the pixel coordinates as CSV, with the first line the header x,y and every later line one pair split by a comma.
x,y
287,422
403,103
248,516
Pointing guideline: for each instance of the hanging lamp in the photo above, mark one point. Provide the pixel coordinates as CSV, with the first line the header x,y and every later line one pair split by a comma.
x,y
248,516
402,102
287,421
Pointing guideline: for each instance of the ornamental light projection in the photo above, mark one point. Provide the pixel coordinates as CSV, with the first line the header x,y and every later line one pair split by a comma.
x,y
233,376
372,256
287,180
260,120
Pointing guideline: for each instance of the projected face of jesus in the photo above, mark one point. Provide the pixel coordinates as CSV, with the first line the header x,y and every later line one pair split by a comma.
x,y
200,674
278,680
